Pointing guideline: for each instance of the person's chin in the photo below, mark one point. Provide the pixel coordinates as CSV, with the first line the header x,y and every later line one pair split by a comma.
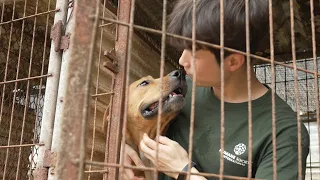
x,y
203,84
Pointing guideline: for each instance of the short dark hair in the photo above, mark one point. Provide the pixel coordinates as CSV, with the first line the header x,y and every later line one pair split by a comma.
x,y
208,24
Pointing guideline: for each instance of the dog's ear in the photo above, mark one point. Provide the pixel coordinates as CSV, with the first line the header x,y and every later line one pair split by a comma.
x,y
106,119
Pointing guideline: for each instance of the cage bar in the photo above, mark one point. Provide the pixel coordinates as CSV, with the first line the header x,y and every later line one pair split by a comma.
x,y
222,49
117,108
70,160
50,99
68,94
273,89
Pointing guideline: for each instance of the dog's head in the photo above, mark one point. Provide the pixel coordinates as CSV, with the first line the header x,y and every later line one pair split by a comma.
x,y
143,104
144,95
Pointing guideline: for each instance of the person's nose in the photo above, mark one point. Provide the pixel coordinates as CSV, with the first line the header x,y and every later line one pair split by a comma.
x,y
185,59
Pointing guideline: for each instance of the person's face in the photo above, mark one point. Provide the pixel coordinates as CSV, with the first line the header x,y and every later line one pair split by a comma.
x,y
207,69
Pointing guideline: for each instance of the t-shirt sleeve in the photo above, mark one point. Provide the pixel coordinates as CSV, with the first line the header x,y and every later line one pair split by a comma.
x,y
286,155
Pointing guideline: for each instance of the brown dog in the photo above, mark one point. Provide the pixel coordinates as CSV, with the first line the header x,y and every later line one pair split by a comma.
x,y
143,106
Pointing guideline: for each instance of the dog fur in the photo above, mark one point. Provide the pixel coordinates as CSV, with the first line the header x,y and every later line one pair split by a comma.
x,y
144,95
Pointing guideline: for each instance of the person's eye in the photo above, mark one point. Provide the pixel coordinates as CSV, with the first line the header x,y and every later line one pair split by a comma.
x,y
144,83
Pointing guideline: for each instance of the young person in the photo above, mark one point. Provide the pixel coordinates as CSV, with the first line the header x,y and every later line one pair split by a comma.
x,y
206,140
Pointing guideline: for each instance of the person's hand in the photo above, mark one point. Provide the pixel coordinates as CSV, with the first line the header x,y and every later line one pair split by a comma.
x,y
131,157
171,155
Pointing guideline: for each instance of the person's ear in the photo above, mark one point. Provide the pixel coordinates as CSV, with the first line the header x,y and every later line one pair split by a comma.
x,y
234,62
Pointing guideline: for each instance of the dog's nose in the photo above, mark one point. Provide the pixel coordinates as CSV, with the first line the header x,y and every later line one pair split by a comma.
x,y
177,74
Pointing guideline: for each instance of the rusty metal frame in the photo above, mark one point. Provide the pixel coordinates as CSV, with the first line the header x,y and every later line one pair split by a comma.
x,y
115,124
119,100
50,101
70,162
71,119
314,57
64,25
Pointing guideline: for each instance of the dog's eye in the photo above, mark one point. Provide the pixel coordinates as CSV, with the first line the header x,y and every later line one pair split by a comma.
x,y
144,83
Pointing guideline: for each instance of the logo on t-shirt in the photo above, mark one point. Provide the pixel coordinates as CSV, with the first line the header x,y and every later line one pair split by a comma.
x,y
239,149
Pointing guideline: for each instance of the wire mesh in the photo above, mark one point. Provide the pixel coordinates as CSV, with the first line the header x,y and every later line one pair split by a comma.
x,y
23,61
24,40
282,78
284,86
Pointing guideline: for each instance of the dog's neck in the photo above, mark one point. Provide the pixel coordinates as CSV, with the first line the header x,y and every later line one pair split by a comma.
x,y
136,130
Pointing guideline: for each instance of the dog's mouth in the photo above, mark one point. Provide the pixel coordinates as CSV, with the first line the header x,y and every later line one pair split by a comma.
x,y
169,102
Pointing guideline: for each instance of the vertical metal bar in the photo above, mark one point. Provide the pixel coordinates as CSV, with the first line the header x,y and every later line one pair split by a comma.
x,y
28,82
5,74
273,90
2,13
116,112
285,84
308,114
51,92
126,90
265,74
162,63
85,108
41,82
249,89
294,59
96,92
62,80
70,162
194,79
222,88
11,120
315,65
107,153
7,61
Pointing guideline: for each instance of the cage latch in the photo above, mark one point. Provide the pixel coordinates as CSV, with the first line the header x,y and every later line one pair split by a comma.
x,y
112,63
60,42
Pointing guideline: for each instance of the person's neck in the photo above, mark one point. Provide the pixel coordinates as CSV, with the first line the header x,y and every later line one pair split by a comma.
x,y
236,89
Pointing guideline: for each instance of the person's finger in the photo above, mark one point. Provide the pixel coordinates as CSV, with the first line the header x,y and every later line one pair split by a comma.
x,y
125,176
151,154
148,152
134,156
149,142
139,178
152,144
129,173
166,141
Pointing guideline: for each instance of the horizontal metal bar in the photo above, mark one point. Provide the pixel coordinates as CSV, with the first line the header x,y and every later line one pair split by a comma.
x,y
34,15
286,81
209,44
309,120
22,145
103,25
97,171
152,169
25,79
286,62
102,94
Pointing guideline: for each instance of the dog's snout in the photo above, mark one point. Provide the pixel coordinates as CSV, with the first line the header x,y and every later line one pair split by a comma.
x,y
177,74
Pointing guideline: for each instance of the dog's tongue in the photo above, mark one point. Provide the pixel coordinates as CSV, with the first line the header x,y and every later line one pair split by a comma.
x,y
154,105
173,93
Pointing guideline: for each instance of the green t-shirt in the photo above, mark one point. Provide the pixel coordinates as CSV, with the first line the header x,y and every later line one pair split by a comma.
x,y
206,140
